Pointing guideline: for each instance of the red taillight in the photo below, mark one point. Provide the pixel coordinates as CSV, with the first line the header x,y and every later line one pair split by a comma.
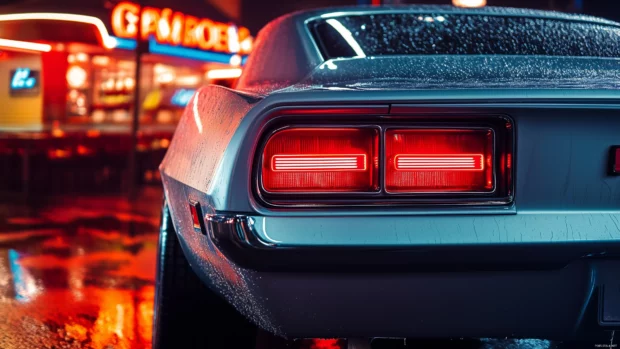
x,y
414,159
439,160
321,160
194,209
614,160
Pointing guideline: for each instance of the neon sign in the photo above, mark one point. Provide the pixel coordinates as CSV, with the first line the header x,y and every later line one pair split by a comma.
x,y
178,29
181,97
24,81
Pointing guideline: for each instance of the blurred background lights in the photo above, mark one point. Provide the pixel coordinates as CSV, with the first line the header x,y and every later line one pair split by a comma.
x,y
76,76
469,3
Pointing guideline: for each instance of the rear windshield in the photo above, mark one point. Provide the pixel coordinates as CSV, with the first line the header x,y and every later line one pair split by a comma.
x,y
461,34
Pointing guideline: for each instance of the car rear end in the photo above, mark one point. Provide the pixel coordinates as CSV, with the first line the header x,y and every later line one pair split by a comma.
x,y
436,201
458,218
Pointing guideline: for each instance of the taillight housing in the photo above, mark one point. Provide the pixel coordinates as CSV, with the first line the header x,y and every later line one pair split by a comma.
x,y
381,161
427,160
314,160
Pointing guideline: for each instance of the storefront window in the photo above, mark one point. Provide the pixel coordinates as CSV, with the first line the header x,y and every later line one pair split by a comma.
x,y
78,73
101,89
168,89
113,88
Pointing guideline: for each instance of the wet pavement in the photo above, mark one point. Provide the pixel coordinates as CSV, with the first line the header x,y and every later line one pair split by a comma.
x,y
78,272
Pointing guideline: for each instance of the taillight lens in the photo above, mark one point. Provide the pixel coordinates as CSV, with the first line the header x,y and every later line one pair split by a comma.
x,y
321,160
439,160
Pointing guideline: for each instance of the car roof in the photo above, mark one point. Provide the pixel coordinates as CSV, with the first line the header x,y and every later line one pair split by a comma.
x,y
286,54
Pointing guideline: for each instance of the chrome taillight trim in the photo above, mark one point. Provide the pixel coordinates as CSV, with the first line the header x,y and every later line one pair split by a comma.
x,y
284,120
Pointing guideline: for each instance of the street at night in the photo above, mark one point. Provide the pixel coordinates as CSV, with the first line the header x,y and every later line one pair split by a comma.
x,y
309,174
78,272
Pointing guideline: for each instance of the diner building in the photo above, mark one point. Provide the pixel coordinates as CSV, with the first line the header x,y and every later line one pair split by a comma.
x,y
77,69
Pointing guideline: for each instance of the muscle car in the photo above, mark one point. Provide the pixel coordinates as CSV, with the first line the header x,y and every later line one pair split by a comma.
x,y
399,172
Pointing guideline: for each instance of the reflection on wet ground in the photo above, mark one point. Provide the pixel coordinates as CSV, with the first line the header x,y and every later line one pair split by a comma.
x,y
78,272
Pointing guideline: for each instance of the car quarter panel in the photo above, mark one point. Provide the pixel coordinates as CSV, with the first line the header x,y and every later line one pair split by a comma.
x,y
202,135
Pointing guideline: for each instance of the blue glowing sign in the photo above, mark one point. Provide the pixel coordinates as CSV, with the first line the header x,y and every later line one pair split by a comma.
x,y
182,96
24,81
178,51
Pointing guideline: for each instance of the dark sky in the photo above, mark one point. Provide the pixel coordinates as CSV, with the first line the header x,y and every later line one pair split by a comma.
x,y
255,13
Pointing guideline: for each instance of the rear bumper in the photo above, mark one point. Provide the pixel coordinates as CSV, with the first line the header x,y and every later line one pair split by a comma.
x,y
237,238
547,291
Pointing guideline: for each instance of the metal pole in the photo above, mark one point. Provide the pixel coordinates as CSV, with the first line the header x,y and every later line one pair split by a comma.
x,y
135,121
26,169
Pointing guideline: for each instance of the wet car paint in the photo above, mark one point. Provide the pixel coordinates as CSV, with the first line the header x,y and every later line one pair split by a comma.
x,y
78,272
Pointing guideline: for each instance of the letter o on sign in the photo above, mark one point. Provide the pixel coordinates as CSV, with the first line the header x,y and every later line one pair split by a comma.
x,y
204,34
